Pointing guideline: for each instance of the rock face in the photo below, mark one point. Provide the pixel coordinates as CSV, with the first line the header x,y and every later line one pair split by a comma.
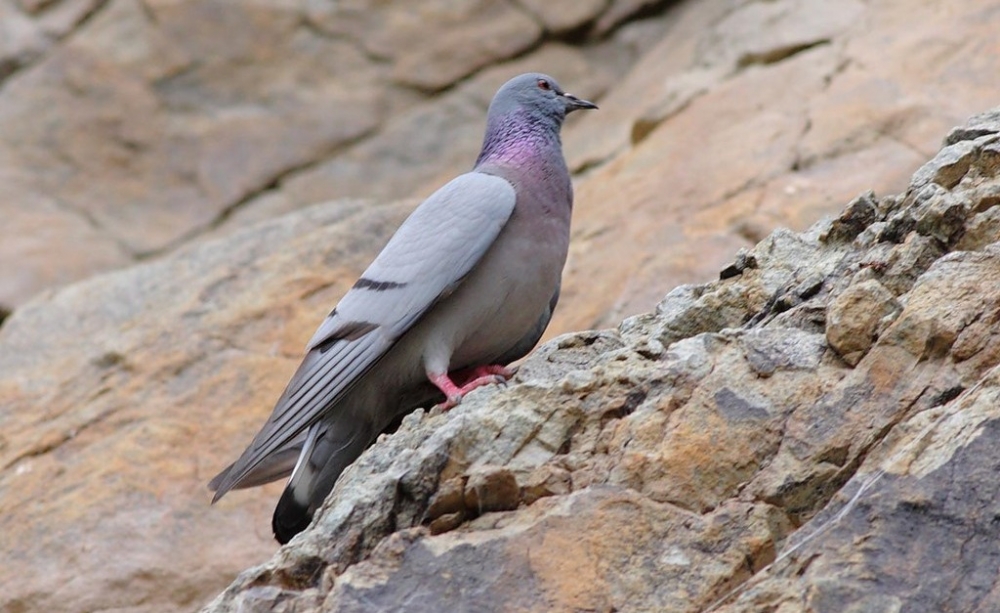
x,y
123,394
132,128
814,432
693,457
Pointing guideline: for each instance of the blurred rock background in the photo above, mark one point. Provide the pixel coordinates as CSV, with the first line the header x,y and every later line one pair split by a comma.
x,y
164,257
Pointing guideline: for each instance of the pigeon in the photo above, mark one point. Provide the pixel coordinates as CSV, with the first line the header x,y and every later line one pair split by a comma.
x,y
465,286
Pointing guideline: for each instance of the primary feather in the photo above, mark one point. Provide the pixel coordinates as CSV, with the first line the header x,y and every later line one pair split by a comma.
x,y
468,281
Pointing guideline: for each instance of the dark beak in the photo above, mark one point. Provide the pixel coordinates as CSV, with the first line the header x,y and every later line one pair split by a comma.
x,y
573,103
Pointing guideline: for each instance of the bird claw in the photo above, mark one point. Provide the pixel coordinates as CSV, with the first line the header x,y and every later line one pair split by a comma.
x,y
481,381
450,403
484,375
491,374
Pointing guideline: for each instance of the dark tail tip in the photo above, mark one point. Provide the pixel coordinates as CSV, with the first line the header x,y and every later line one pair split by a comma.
x,y
290,517
218,483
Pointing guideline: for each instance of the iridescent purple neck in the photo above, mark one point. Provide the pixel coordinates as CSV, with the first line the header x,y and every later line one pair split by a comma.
x,y
519,139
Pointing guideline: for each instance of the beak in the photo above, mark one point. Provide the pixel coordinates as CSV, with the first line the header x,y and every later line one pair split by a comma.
x,y
573,103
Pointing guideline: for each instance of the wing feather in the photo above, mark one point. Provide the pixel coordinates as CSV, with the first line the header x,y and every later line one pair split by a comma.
x,y
427,258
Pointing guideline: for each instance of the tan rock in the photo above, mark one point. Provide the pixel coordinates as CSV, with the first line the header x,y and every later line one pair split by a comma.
x,y
546,480
124,394
143,127
800,77
21,40
381,168
912,519
44,245
626,211
158,130
409,158
560,16
618,11
491,489
492,30
559,556
433,44
856,318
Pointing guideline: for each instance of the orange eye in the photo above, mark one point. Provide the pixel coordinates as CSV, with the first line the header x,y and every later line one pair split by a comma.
x,y
543,84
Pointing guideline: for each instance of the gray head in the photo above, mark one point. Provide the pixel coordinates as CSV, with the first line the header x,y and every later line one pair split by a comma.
x,y
536,93
524,119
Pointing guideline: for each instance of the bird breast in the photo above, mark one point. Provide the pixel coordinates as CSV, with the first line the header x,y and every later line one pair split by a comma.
x,y
505,295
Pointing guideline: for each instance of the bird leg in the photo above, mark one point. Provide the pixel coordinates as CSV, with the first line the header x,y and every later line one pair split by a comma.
x,y
471,378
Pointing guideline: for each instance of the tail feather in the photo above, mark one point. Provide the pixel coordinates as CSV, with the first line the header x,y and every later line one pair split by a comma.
x,y
275,467
316,458
290,517
328,450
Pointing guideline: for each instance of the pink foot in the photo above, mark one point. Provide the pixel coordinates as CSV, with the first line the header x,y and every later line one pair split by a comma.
x,y
479,372
471,378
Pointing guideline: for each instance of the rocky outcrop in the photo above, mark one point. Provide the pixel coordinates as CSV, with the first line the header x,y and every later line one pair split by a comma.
x,y
813,432
133,128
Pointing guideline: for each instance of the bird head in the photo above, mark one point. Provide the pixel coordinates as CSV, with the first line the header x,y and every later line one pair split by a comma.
x,y
537,92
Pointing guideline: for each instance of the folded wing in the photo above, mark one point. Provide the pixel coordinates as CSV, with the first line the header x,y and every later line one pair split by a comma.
x,y
427,258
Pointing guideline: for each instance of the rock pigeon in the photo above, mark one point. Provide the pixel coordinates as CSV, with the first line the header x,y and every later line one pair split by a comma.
x,y
466,285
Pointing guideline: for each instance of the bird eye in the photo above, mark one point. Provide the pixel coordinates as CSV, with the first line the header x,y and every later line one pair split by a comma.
x,y
543,84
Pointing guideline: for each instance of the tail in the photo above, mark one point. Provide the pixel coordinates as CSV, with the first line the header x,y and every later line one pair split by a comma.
x,y
278,466
328,449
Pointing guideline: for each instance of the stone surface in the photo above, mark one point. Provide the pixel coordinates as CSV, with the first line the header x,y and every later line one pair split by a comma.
x,y
38,234
157,123
747,116
561,16
122,395
144,122
380,168
857,316
434,44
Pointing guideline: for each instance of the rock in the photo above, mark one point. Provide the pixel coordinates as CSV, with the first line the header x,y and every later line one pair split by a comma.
x,y
923,524
839,124
621,10
140,126
155,130
491,489
380,167
492,30
562,16
447,509
546,480
857,316
439,43
22,40
508,570
123,394
40,245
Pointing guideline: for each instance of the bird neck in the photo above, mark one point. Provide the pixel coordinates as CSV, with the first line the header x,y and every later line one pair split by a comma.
x,y
519,139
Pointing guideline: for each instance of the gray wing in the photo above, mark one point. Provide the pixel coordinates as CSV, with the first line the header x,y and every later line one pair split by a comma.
x,y
430,254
